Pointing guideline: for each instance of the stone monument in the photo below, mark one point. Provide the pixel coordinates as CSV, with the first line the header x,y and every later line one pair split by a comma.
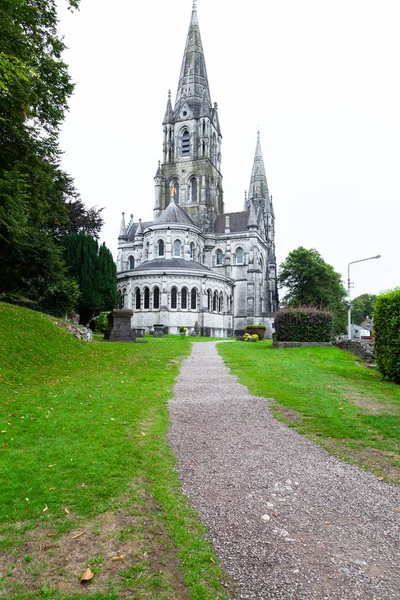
x,y
119,326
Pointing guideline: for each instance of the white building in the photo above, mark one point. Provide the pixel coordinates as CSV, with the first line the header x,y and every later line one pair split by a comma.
x,y
196,265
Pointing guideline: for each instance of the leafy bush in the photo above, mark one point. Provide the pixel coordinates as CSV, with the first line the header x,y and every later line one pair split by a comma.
x,y
259,330
387,334
247,337
303,324
99,324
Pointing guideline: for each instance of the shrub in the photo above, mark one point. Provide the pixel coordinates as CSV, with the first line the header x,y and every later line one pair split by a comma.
x,y
99,324
387,334
303,324
248,337
259,330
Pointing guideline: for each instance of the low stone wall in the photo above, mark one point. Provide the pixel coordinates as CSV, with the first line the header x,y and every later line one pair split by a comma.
x,y
276,344
80,332
362,348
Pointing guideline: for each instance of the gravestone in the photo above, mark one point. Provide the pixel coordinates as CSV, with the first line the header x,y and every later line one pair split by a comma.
x,y
119,326
158,330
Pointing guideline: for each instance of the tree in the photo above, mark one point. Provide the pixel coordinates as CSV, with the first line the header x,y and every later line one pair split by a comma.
x,y
362,307
37,199
94,270
309,280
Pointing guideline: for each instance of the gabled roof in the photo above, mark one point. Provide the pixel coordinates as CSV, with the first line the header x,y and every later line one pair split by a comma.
x,y
237,222
174,214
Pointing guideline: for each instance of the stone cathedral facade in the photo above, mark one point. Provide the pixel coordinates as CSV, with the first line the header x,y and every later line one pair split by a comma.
x,y
195,265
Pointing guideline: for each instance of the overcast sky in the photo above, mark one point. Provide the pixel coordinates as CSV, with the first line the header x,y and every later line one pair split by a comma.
x,y
320,78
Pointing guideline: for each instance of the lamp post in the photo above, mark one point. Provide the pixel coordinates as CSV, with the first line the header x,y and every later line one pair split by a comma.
x,y
348,290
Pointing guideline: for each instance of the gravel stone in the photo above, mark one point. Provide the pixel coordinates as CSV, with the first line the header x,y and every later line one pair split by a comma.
x,y
334,532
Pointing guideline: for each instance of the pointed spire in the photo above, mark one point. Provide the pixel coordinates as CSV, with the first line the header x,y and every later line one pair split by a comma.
x,y
139,229
258,182
193,81
159,171
122,230
169,113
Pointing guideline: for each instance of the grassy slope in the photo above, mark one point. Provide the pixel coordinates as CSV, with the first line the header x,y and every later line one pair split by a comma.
x,y
328,395
83,436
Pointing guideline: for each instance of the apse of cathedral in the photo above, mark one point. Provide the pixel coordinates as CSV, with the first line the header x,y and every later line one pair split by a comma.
x,y
195,265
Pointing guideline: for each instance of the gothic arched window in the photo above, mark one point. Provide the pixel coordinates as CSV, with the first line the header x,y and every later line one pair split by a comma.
x,y
192,250
120,300
185,143
184,298
146,298
220,257
209,300
193,299
156,298
177,248
174,298
160,247
193,189
215,302
137,299
239,256
221,302
131,261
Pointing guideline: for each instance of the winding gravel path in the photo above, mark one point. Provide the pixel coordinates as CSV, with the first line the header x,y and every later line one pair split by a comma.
x,y
287,519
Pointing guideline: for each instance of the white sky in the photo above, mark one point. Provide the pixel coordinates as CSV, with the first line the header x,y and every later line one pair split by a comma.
x,y
320,78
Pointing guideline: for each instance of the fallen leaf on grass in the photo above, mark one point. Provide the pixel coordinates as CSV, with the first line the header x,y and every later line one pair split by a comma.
x,y
87,575
78,534
45,508
66,509
212,560
49,546
143,433
121,557
82,485
51,466
52,489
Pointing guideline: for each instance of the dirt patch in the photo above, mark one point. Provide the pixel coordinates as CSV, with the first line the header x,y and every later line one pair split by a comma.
x,y
123,550
370,405
383,463
288,414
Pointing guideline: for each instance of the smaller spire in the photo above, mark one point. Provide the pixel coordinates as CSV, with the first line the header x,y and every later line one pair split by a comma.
x,y
169,113
159,171
122,230
139,229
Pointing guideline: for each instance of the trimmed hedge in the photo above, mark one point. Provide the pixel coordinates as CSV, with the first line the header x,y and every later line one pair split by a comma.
x,y
303,324
387,334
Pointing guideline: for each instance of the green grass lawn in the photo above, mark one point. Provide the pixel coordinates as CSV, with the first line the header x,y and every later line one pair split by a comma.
x,y
83,449
330,396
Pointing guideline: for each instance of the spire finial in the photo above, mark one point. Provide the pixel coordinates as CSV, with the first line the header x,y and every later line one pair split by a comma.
x,y
169,93
258,134
194,4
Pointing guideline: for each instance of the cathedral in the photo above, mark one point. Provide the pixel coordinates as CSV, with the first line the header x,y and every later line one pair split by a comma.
x,y
195,265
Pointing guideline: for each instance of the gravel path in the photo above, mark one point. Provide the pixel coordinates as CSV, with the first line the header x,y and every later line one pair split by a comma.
x,y
288,520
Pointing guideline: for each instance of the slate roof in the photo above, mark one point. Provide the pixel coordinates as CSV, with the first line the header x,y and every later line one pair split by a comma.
x,y
170,264
237,222
174,214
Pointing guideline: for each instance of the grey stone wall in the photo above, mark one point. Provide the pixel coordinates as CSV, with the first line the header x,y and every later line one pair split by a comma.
x,y
362,348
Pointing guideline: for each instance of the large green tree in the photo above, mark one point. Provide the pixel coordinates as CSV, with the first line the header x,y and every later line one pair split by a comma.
x,y
38,202
362,307
308,280
95,271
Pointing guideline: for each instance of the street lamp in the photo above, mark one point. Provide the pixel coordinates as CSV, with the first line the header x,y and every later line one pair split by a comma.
x,y
348,290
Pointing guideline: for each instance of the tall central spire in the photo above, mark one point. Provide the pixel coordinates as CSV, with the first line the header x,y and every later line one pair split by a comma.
x,y
193,88
258,190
